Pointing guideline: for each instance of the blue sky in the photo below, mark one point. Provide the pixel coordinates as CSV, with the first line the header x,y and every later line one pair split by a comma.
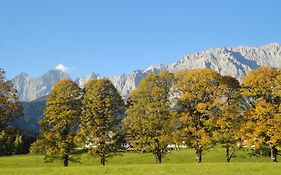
x,y
112,37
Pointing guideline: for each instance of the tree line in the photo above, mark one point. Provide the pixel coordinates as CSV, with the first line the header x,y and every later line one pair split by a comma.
x,y
199,108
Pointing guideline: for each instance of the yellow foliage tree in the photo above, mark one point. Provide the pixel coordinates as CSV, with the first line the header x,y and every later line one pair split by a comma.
x,y
262,87
148,123
60,122
199,94
100,127
230,116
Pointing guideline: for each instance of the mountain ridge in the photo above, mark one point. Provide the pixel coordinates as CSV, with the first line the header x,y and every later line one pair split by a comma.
x,y
236,62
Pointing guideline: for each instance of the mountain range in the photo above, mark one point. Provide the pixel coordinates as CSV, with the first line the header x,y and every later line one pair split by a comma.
x,y
235,62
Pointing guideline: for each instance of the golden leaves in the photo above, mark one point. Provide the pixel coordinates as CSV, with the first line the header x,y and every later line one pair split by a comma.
x,y
262,87
60,122
100,120
149,117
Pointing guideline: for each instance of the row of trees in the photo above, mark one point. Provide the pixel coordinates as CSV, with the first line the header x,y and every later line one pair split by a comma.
x,y
200,107
89,118
204,108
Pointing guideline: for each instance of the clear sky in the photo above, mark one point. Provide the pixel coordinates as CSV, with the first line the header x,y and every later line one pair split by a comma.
x,y
111,37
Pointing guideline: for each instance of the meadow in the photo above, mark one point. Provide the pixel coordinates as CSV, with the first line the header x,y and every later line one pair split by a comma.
x,y
175,163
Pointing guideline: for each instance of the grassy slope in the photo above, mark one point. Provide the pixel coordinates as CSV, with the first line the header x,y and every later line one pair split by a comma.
x,y
177,162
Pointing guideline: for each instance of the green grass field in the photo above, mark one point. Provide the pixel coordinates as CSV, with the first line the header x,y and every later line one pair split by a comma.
x,y
175,163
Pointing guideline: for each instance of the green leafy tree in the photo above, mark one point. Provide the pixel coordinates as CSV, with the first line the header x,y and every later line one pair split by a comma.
x,y
262,87
198,100
148,121
100,128
10,108
61,120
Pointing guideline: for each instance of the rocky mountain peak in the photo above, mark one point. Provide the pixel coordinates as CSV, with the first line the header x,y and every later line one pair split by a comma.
x,y
23,74
30,88
83,80
234,62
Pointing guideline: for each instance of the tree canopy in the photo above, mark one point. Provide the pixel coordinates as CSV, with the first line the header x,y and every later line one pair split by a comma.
x,y
262,87
10,109
229,116
199,97
100,128
10,106
60,122
148,121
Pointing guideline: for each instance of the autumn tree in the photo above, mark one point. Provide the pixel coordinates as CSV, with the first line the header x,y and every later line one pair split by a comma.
x,y
229,116
100,128
60,122
198,98
148,121
262,87
10,109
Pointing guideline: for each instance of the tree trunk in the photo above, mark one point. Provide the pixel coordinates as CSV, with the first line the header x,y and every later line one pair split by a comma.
x,y
227,155
199,155
102,160
158,159
273,153
65,160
